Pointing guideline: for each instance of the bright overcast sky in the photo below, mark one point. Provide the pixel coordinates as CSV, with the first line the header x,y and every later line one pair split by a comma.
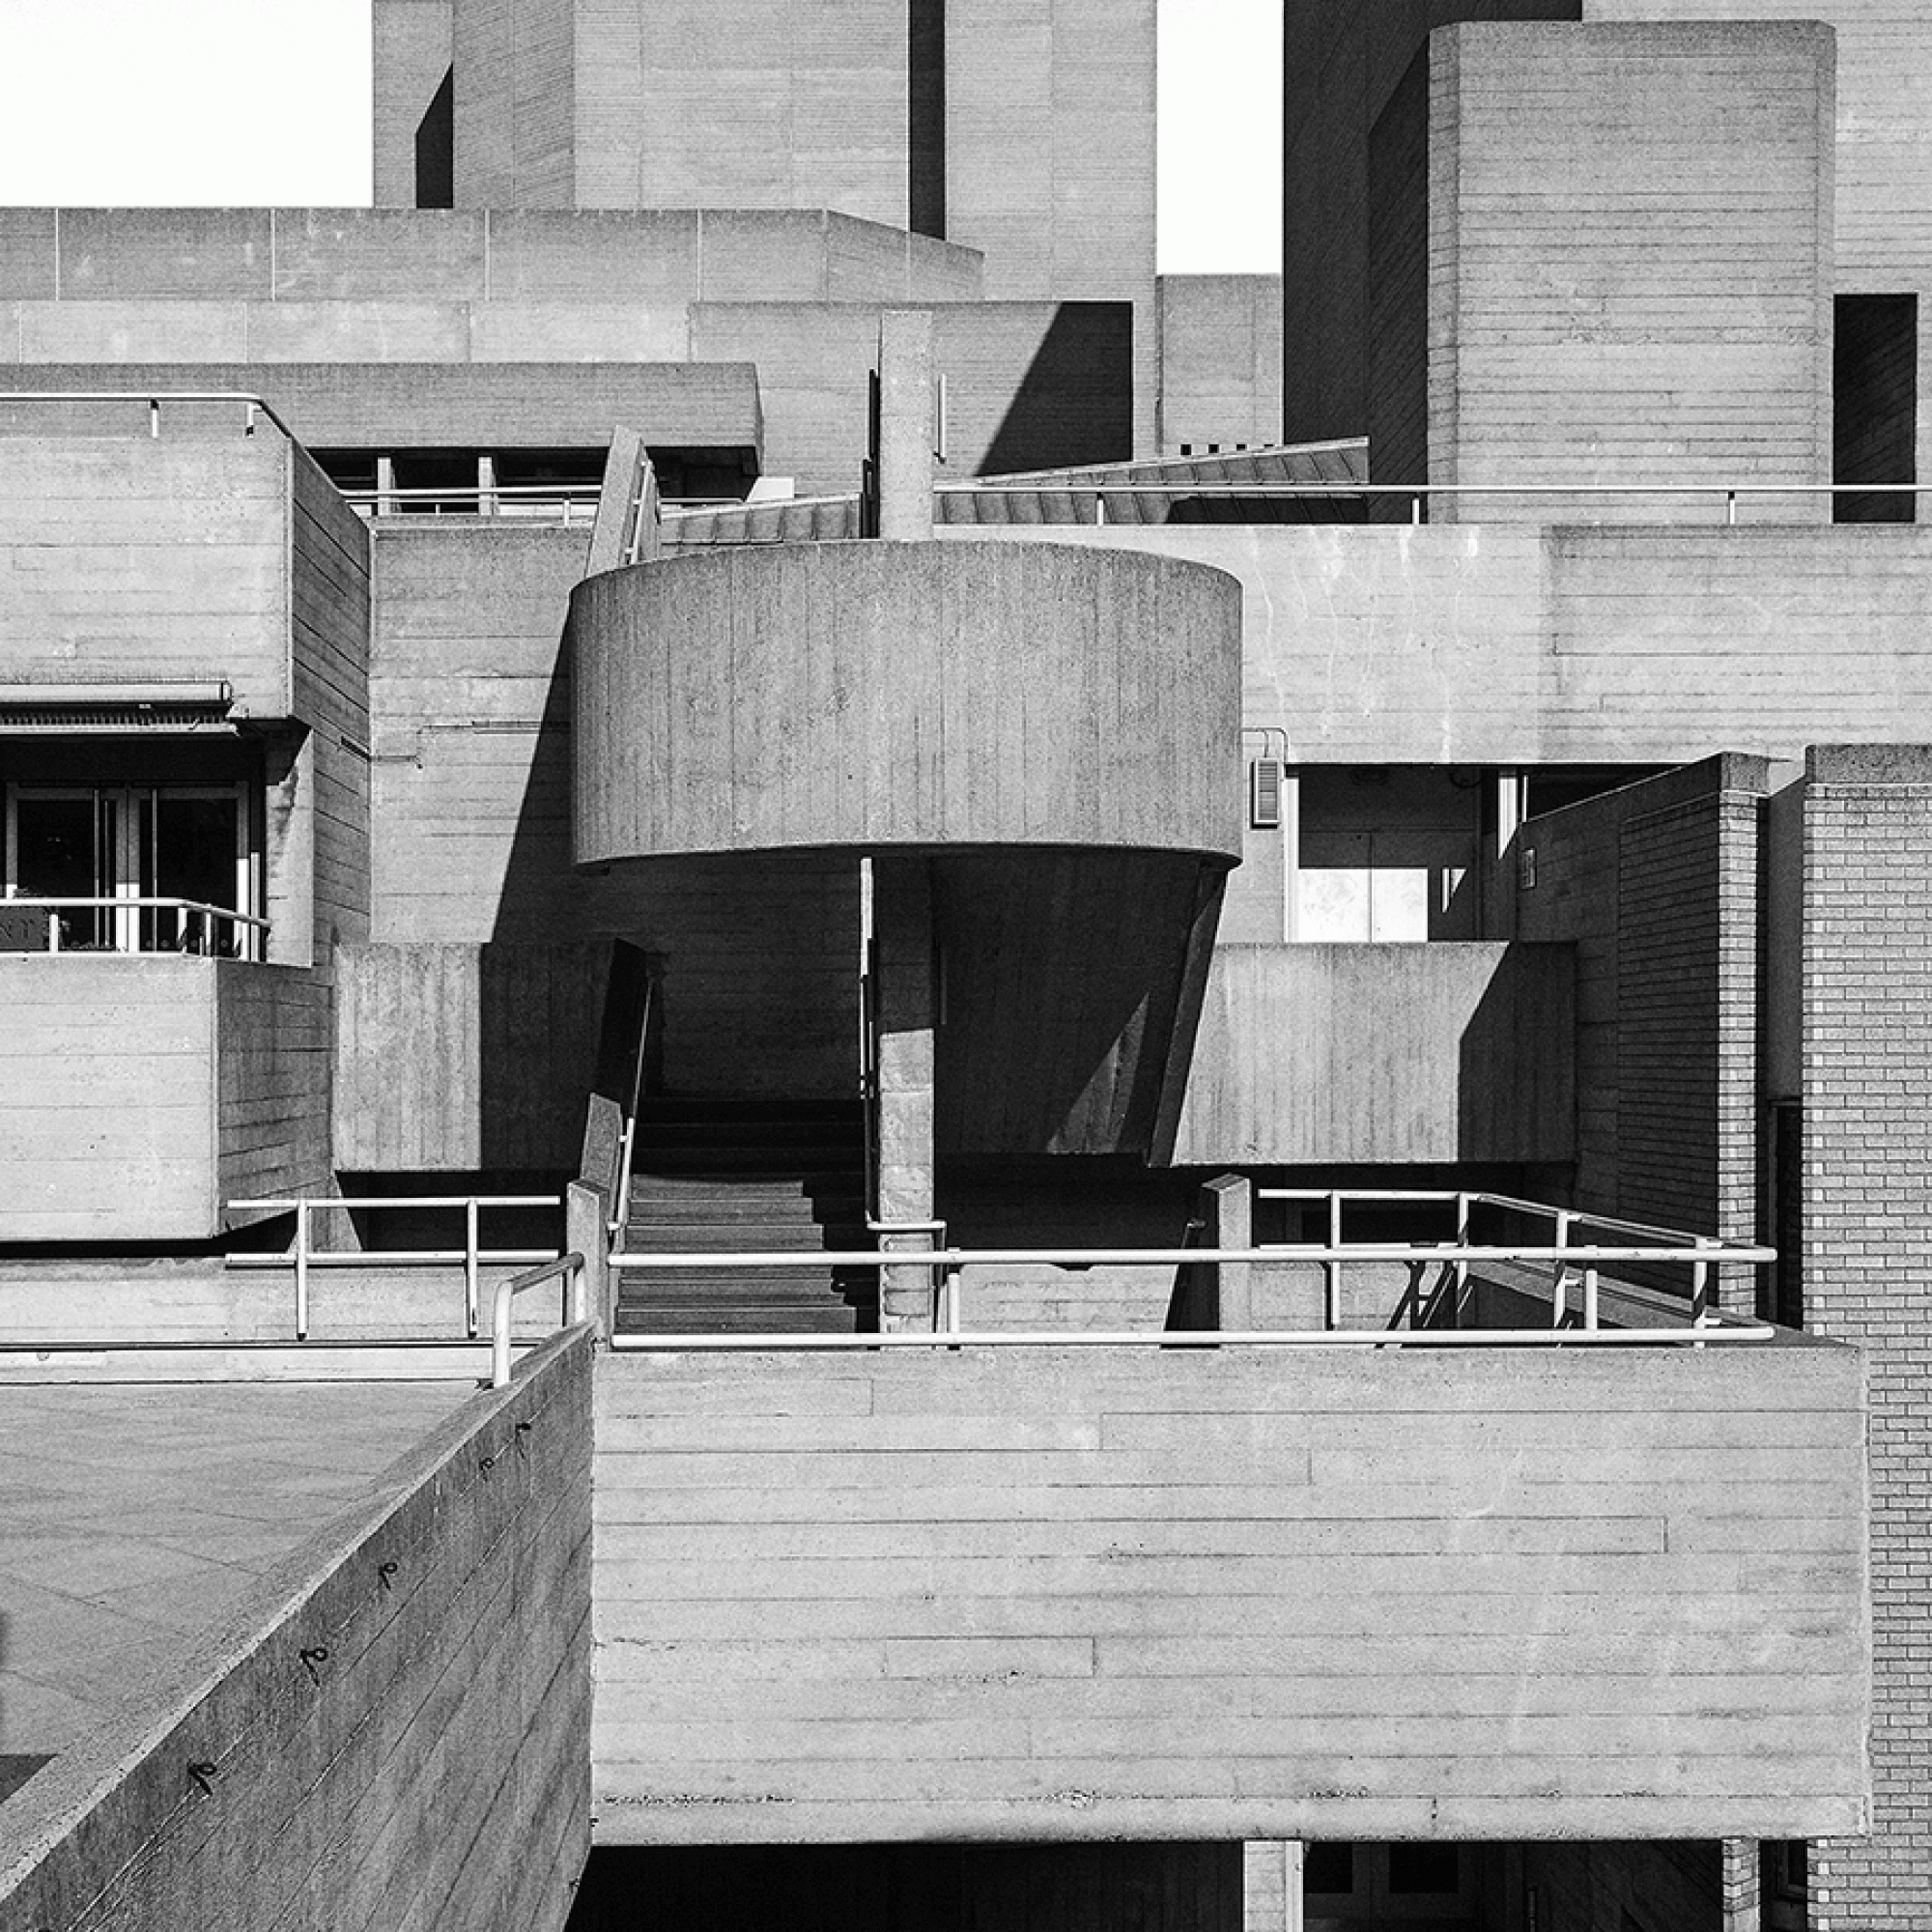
x,y
158,102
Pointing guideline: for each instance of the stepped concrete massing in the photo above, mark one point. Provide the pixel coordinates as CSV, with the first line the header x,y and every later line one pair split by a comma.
x,y
1165,1036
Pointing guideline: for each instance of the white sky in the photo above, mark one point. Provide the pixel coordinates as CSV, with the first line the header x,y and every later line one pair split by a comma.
x,y
206,102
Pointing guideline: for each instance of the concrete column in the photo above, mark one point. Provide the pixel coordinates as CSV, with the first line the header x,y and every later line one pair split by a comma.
x,y
1272,1885
586,1231
902,941
1228,1218
905,424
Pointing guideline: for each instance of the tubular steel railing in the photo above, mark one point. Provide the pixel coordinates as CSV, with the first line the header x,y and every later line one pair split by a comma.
x,y
570,1269
1706,1323
1420,494
153,399
129,936
514,501
1699,1252
472,1255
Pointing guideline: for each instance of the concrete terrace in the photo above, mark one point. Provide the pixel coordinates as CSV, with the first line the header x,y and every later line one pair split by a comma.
x,y
137,1517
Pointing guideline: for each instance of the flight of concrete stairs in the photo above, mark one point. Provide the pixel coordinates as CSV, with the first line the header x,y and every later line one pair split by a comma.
x,y
720,1176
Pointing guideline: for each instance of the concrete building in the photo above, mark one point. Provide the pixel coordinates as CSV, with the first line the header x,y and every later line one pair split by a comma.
x,y
1335,873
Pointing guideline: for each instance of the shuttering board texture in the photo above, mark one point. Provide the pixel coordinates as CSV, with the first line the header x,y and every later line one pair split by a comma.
x,y
432,404
516,103
1103,1592
1386,1054
1866,1154
759,105
1884,218
135,265
862,694
466,1057
1068,85
412,54
1515,646
273,1052
390,1747
328,645
1341,65
1655,886
473,849
125,557
1220,361
107,1129
1029,384
1629,261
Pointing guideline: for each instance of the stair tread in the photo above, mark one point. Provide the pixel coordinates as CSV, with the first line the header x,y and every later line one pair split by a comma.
x,y
752,1176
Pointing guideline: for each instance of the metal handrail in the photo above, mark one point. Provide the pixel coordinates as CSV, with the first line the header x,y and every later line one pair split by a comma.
x,y
145,899
622,1207
1704,1252
473,1256
1419,493
578,493
1564,1254
1170,1338
153,399
52,903
570,1267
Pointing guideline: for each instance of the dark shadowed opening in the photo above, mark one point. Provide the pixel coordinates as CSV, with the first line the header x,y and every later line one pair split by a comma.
x,y
1075,402
1875,406
435,148
925,117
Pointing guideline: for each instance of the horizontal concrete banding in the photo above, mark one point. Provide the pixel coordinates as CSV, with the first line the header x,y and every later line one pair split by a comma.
x,y
1055,1595
446,404
872,693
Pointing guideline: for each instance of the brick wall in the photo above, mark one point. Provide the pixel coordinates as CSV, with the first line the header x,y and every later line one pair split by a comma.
x,y
1656,884
1867,1208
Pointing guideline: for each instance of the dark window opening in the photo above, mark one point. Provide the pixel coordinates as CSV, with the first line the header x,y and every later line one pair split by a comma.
x,y
421,476
1875,406
1329,1868
435,148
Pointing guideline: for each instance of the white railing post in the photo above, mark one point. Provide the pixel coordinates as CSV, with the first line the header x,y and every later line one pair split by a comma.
x,y
472,1265
1560,1278
1590,1298
1463,1202
1700,1288
1334,1265
301,1271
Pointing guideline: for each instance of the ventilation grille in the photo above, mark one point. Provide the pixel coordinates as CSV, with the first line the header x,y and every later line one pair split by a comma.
x,y
1264,794
113,718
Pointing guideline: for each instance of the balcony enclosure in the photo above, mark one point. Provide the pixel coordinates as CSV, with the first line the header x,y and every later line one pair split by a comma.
x,y
132,868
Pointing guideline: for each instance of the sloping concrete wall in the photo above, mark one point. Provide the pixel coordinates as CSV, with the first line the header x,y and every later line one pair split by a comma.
x,y
392,1729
